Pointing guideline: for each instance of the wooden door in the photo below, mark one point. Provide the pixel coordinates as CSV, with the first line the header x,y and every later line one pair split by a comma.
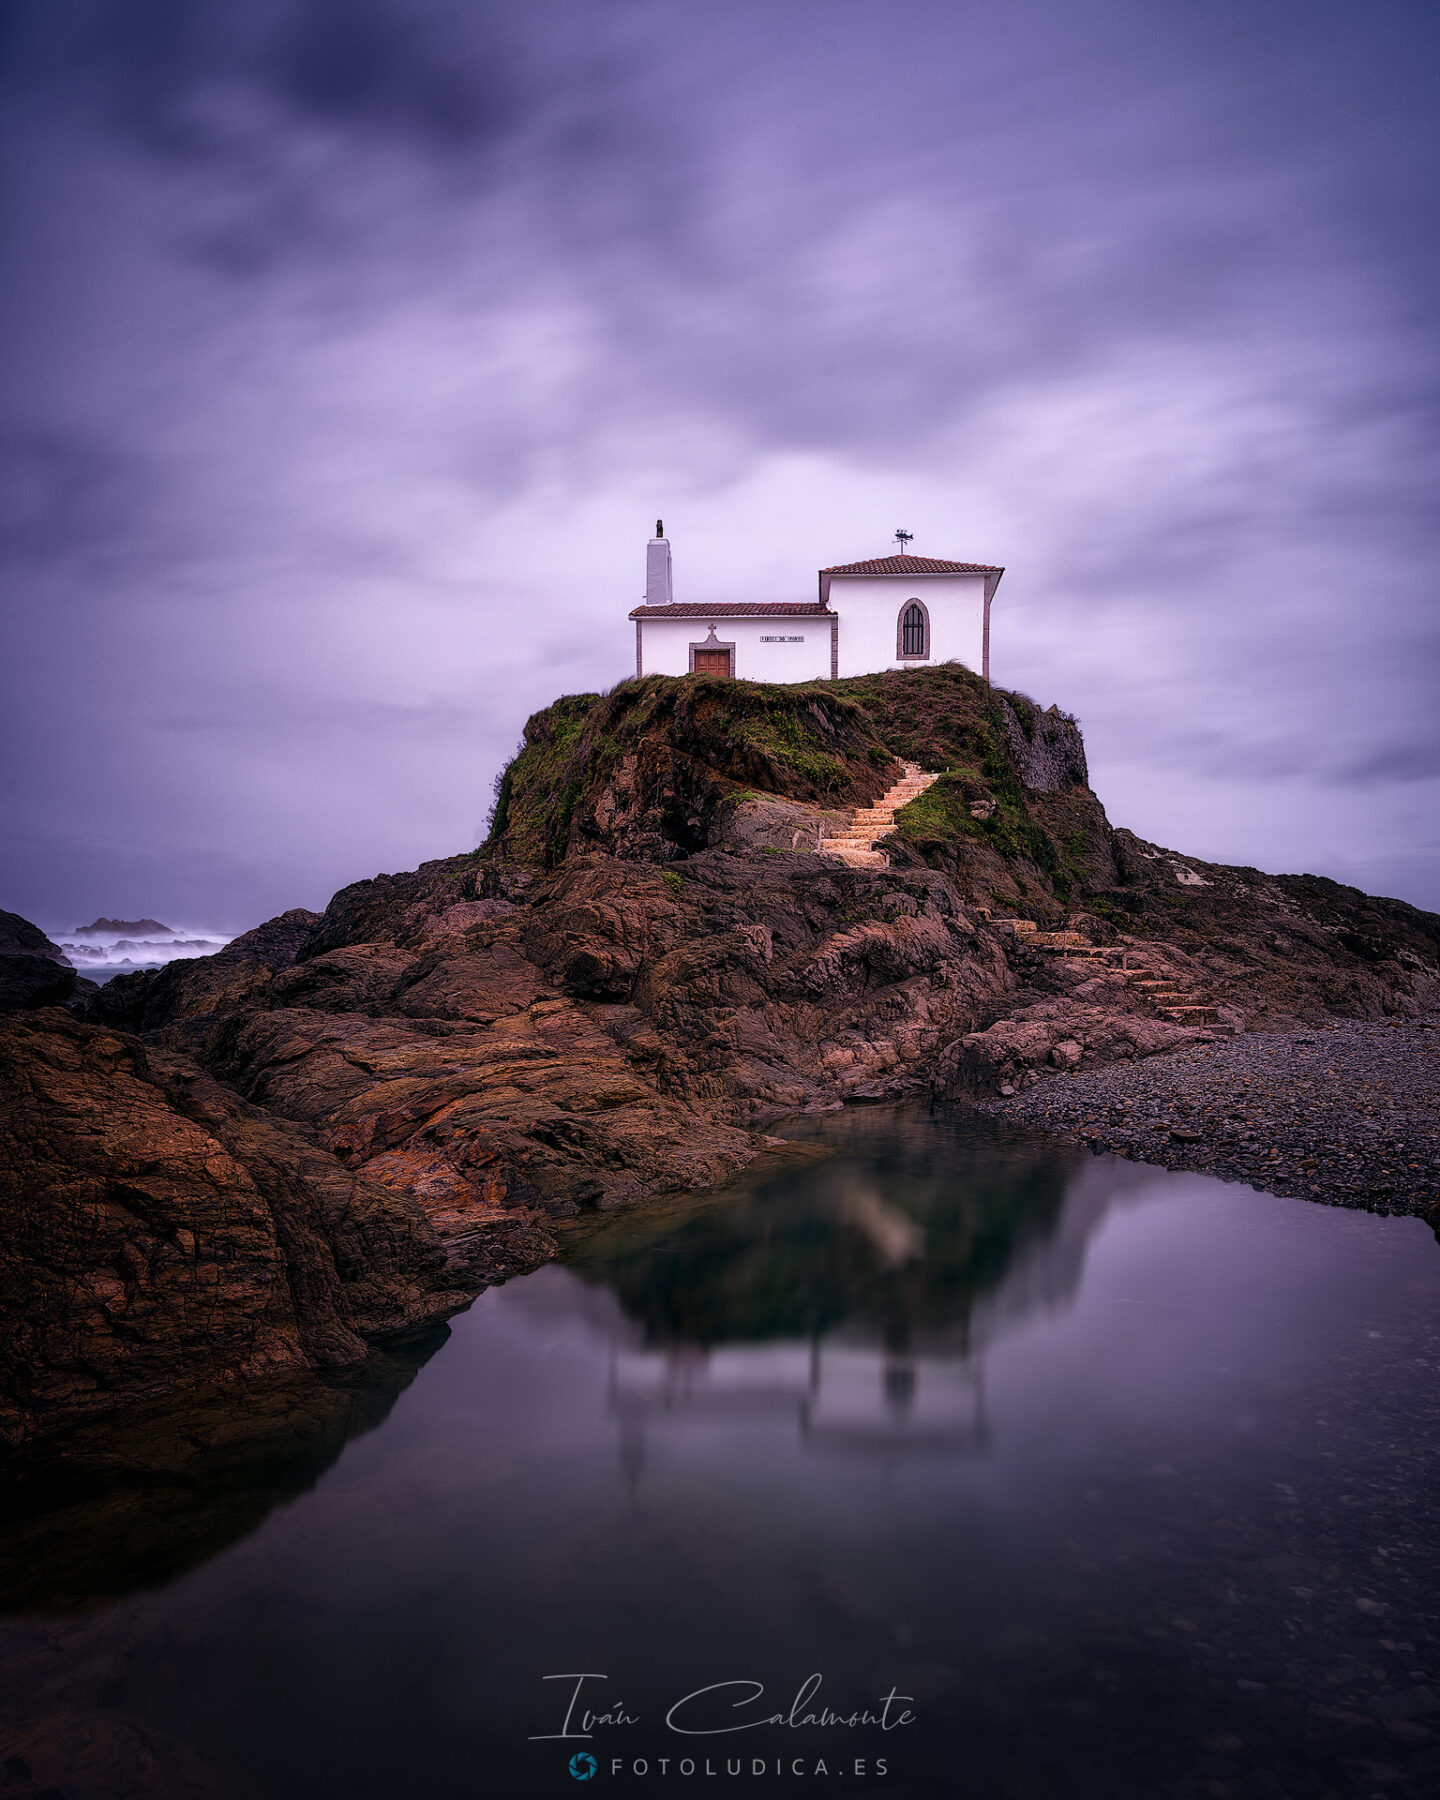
x,y
712,662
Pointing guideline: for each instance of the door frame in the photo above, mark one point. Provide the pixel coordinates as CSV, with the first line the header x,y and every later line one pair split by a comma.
x,y
713,643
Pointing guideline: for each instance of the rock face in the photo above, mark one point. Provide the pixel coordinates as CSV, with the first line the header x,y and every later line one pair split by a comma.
x,y
1046,748
160,1234
610,1000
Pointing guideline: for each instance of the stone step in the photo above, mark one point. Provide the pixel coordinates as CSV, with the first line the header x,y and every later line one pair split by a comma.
x,y
1190,1015
854,843
858,859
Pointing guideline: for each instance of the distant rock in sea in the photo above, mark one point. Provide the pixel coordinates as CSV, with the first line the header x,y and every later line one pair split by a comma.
x,y
123,928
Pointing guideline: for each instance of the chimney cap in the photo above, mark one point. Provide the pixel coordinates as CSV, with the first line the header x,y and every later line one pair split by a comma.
x,y
659,528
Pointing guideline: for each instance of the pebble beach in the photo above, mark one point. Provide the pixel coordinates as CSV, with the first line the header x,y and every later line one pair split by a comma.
x,y
1347,1113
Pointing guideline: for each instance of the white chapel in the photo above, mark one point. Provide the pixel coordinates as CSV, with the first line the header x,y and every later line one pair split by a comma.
x,y
893,612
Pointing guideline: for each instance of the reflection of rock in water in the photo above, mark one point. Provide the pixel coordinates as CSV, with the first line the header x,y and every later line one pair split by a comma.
x,y
852,1299
904,1240
121,1505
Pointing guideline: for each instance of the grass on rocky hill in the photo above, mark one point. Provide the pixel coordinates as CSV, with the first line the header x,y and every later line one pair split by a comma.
x,y
806,742
822,742
948,719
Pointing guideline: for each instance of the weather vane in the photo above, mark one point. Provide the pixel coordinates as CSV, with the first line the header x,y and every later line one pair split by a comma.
x,y
903,538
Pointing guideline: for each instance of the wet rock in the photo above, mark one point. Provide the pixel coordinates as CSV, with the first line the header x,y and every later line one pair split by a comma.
x,y
160,1234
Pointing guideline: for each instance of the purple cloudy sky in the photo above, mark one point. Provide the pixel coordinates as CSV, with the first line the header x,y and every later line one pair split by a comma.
x,y
356,344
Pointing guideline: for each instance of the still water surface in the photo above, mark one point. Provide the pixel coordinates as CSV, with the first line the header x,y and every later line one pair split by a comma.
x,y
1120,1482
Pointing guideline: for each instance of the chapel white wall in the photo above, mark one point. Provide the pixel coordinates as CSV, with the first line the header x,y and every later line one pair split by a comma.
x,y
665,646
870,605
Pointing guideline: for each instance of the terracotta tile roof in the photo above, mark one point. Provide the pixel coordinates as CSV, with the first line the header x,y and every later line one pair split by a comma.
x,y
911,565
733,609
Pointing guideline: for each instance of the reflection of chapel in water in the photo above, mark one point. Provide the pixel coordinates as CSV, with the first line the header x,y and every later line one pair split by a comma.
x,y
850,1307
842,1399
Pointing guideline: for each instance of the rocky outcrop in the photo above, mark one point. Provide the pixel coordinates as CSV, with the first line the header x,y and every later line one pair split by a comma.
x,y
1049,1035
648,770
160,1233
754,986
1046,747
33,971
371,1111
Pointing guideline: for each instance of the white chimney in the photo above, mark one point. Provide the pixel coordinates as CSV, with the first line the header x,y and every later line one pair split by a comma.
x,y
658,589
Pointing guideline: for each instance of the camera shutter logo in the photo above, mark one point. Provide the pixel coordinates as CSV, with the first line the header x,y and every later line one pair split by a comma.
x,y
583,1765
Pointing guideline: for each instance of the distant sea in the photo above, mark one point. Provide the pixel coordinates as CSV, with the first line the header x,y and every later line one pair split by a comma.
x,y
100,955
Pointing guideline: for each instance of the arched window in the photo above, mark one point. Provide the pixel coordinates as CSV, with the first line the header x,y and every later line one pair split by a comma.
x,y
914,632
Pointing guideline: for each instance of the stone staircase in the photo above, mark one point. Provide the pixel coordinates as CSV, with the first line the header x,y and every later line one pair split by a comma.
x,y
855,845
1181,1004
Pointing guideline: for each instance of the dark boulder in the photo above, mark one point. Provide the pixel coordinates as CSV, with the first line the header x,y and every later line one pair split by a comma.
x,y
33,971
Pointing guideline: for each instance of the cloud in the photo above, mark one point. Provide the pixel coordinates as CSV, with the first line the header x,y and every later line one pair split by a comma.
x,y
361,342
61,493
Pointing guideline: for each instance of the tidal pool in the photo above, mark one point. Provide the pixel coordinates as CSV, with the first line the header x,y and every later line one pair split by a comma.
x,y
956,1463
